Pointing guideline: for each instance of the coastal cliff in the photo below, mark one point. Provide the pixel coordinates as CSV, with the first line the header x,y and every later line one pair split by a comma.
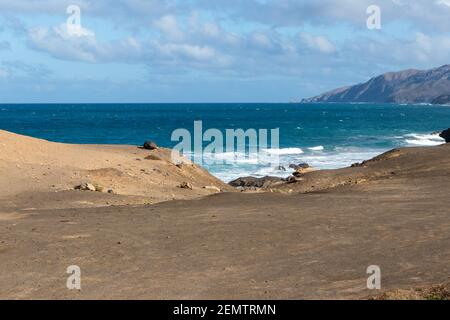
x,y
408,86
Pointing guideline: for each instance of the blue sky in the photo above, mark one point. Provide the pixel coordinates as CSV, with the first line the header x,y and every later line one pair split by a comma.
x,y
210,50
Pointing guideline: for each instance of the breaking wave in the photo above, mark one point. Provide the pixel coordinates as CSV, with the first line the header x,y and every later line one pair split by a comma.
x,y
417,139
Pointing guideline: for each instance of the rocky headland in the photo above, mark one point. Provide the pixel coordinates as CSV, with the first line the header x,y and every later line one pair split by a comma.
x,y
408,86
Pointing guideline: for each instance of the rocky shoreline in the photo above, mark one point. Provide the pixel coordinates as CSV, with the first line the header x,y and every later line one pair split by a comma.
x,y
250,183
267,182
445,135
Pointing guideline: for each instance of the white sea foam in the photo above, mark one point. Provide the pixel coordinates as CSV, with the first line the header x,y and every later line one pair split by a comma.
x,y
423,139
339,158
271,171
318,148
230,158
284,151
239,164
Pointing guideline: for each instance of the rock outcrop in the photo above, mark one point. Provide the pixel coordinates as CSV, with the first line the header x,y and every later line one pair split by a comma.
x,y
150,145
299,166
186,185
252,182
301,171
446,135
85,186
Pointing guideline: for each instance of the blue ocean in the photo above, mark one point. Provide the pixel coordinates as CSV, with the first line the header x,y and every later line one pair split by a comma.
x,y
323,135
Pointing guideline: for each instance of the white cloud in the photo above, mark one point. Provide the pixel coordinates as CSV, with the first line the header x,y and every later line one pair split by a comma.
x,y
186,50
429,49
169,26
424,13
61,43
317,43
84,46
249,39
261,40
443,2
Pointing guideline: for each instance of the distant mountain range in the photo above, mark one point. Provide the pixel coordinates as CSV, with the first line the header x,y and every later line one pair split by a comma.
x,y
408,86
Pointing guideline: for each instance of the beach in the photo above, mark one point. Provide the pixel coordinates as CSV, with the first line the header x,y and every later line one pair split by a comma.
x,y
155,230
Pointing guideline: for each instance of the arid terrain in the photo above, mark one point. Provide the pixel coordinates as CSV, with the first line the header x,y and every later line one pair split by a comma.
x,y
154,230
44,175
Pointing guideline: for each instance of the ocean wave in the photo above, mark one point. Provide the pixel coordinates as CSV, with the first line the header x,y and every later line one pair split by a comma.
x,y
271,171
318,148
284,151
340,157
258,164
423,139
229,157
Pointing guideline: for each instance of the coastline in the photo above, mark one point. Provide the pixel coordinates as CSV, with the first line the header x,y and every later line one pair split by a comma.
x,y
310,239
345,133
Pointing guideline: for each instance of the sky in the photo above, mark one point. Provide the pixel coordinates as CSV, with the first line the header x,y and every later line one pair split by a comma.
x,y
150,51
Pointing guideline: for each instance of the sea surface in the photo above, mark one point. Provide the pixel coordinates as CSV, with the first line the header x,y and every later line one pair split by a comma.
x,y
323,135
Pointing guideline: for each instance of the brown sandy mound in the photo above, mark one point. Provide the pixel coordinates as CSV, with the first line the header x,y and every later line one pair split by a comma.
x,y
398,163
29,166
437,292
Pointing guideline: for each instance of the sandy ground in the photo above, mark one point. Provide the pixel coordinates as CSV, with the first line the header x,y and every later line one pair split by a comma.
x,y
312,239
30,166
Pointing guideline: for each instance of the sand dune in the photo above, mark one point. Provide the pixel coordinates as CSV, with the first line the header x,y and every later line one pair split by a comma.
x,y
29,165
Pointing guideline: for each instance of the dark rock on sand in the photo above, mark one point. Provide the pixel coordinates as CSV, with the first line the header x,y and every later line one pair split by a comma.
x,y
150,145
85,186
297,174
302,170
292,179
252,182
299,166
186,185
446,135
